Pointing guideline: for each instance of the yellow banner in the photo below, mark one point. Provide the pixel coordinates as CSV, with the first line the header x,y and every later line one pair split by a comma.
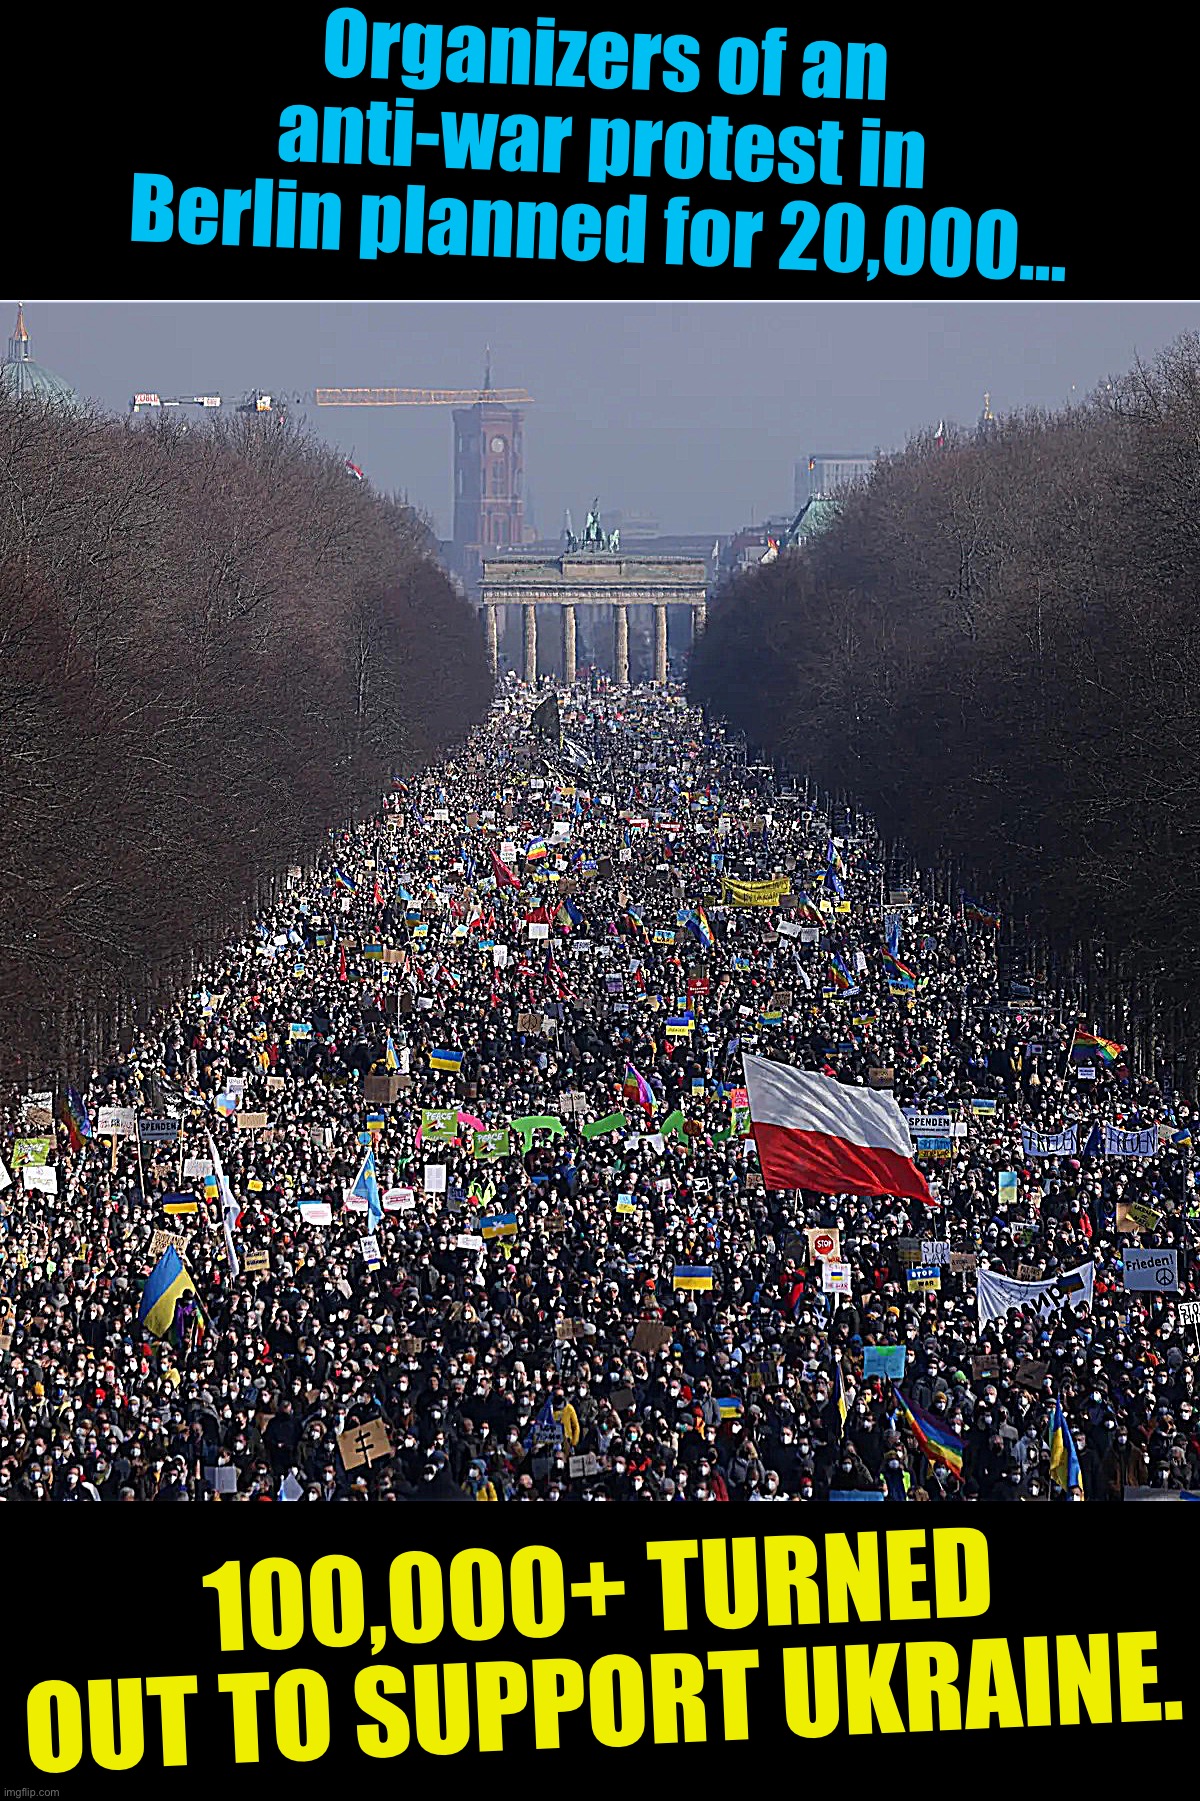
x,y
754,894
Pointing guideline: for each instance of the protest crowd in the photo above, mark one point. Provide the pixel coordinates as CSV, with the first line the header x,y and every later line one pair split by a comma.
x,y
443,1183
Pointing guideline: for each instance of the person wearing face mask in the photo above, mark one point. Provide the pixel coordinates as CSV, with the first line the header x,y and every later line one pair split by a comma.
x,y
1123,1466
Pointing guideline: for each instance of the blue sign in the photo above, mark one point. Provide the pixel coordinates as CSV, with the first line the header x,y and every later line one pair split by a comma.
x,y
885,1360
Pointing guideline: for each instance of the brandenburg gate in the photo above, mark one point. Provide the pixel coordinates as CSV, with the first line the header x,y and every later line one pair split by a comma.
x,y
591,571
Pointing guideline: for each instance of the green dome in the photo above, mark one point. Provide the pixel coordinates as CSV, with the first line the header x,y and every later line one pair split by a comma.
x,y
23,379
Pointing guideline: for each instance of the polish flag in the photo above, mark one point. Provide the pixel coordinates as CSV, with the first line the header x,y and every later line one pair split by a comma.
x,y
818,1134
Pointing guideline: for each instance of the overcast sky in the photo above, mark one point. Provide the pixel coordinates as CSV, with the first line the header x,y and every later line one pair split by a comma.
x,y
693,414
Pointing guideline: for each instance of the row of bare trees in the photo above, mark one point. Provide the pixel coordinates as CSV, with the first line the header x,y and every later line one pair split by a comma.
x,y
214,645
996,649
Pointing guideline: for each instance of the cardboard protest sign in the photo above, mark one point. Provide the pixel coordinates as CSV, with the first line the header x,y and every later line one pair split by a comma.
x,y
256,1263
364,1444
161,1241
1135,1216
650,1335
251,1122
823,1242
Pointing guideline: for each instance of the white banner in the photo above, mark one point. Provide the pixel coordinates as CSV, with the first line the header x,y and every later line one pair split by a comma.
x,y
1130,1144
1050,1144
998,1292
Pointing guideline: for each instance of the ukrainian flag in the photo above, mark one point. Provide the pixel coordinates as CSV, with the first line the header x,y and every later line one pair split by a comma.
x,y
1064,1459
451,1060
687,1275
166,1286
839,1396
373,952
212,1187
771,1019
390,1058
498,1225
729,1408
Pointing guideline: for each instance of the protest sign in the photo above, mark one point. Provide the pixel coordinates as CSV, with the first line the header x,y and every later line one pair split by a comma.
x,y
364,1444
1150,1270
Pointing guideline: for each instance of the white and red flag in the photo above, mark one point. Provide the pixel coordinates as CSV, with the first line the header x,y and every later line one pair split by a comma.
x,y
818,1134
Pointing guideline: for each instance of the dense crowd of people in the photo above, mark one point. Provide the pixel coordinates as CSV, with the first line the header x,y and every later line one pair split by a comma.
x,y
608,1306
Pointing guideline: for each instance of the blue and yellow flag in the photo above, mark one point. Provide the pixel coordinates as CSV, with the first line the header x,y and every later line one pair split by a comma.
x,y
498,1225
390,1058
166,1286
1064,1459
446,1059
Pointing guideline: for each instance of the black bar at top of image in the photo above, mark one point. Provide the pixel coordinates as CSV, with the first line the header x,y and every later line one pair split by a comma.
x,y
1077,140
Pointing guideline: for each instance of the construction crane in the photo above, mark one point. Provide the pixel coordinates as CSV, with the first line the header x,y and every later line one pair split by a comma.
x,y
423,397
428,396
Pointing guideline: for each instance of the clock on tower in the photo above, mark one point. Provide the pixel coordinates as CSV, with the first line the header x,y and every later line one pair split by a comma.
x,y
489,499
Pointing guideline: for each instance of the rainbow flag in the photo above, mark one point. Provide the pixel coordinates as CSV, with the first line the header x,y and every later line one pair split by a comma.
x,y
840,977
637,1088
984,916
698,924
75,1113
935,1439
1085,1046
903,976
536,849
342,881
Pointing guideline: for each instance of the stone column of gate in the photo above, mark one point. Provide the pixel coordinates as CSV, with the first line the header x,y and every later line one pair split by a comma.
x,y
699,619
489,627
568,643
529,624
660,644
620,646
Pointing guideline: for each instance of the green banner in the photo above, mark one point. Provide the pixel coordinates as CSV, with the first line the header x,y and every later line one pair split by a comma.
x,y
612,1122
493,1144
533,1122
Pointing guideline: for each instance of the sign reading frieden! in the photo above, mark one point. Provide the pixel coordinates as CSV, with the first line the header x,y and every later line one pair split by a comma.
x,y
813,1132
1156,1271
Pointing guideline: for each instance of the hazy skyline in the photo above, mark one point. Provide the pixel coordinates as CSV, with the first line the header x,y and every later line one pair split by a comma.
x,y
691,413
